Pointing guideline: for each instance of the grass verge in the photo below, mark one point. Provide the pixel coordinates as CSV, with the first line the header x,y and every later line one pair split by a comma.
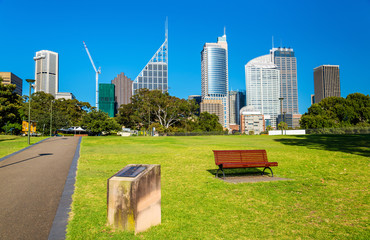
x,y
327,199
10,144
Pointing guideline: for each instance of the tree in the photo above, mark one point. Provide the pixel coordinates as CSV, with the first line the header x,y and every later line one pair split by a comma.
x,y
209,122
147,107
283,125
64,113
10,105
334,112
98,122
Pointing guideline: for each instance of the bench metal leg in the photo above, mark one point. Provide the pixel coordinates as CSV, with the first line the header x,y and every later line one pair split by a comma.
x,y
220,168
272,174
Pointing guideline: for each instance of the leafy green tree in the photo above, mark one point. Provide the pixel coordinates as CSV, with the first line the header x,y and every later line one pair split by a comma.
x,y
10,105
147,107
283,125
98,122
334,112
64,113
209,122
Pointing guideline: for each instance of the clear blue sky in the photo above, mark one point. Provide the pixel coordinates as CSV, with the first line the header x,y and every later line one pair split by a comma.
x,y
122,36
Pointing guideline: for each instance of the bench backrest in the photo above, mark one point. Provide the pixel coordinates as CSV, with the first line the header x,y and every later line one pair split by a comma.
x,y
237,156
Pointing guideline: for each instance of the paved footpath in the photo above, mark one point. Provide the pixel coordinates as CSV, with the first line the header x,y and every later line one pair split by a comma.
x,y
31,186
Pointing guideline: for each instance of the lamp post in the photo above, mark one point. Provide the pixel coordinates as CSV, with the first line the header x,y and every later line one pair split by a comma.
x,y
30,81
51,115
281,111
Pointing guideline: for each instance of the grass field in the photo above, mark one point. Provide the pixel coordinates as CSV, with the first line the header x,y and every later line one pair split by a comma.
x,y
328,197
10,144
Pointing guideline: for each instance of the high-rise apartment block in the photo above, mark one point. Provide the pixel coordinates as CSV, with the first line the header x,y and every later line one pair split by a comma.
x,y
122,90
47,72
155,74
10,78
262,78
236,102
326,81
106,98
213,106
286,62
215,82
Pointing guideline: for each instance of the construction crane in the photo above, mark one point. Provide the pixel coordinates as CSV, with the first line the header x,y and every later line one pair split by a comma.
x,y
97,77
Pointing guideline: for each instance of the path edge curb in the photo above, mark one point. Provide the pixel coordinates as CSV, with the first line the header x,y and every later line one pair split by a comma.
x,y
59,228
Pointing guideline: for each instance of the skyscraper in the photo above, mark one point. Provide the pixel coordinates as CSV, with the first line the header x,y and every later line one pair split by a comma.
x,y
154,74
122,90
10,78
47,72
236,102
106,98
215,82
286,62
263,87
326,81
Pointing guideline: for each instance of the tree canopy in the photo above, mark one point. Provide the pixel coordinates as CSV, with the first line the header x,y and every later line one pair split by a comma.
x,y
333,112
164,112
98,122
10,106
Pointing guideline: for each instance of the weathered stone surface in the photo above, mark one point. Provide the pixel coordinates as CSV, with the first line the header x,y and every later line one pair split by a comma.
x,y
134,204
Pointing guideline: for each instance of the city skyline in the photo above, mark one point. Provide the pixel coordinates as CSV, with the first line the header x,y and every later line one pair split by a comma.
x,y
124,42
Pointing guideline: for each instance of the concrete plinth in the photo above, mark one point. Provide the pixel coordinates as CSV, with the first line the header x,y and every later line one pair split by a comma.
x,y
134,202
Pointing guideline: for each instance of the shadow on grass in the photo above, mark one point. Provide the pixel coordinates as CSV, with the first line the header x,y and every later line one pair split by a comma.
x,y
238,172
354,144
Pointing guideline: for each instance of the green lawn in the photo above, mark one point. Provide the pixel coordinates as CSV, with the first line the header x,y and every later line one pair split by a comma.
x,y
328,197
10,144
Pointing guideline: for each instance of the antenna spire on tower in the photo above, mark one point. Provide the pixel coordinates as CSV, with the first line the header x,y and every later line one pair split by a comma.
x,y
224,30
272,42
166,28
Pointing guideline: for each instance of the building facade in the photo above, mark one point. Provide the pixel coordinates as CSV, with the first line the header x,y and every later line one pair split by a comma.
x,y
236,102
155,74
213,106
286,62
106,98
326,82
122,90
47,72
215,80
263,86
251,121
65,95
291,119
10,78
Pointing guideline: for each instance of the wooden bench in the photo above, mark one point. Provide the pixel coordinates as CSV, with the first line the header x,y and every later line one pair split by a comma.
x,y
242,159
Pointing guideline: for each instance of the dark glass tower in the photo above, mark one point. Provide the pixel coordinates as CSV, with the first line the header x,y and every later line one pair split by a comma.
x,y
106,98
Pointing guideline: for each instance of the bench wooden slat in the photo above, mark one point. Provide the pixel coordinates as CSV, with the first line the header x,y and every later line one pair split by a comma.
x,y
242,159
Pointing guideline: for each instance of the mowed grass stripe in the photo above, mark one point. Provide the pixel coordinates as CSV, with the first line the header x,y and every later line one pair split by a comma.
x,y
328,197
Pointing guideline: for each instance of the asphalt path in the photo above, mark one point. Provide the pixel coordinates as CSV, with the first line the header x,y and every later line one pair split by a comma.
x,y
31,186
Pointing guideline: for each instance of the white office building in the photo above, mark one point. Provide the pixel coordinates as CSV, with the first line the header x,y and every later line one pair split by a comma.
x,y
215,80
47,72
263,86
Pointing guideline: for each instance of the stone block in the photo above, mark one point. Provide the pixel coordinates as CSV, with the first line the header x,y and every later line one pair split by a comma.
x,y
134,202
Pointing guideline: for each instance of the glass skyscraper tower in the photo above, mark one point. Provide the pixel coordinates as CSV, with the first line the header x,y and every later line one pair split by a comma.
x,y
215,82
155,74
286,62
262,79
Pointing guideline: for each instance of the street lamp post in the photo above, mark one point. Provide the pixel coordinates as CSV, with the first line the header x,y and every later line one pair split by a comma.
x,y
281,111
30,81
51,115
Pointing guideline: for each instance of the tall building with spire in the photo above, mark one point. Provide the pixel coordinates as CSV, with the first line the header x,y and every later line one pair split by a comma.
x,y
286,62
215,79
155,73
47,72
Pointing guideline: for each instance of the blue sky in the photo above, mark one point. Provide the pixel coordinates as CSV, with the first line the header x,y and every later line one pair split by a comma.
x,y
122,36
